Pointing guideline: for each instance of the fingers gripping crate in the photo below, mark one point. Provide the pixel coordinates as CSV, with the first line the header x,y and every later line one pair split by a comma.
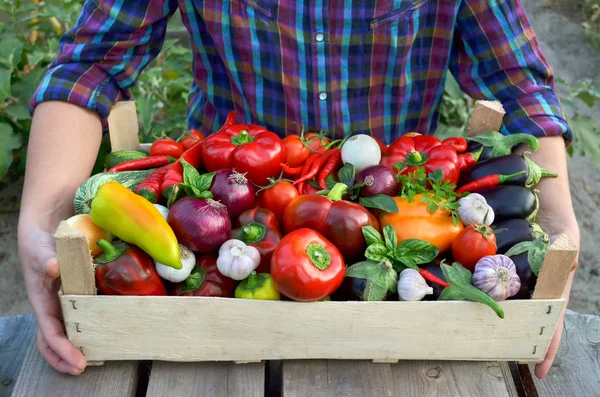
x,y
220,329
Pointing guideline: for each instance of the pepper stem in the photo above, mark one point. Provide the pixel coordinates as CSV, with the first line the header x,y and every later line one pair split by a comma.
x,y
194,280
416,158
504,178
337,192
110,252
254,281
318,256
242,138
477,154
252,233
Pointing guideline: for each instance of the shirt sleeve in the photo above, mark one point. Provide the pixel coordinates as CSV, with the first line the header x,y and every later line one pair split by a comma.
x,y
496,56
101,57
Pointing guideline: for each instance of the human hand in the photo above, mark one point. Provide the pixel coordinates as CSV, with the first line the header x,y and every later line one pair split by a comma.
x,y
41,271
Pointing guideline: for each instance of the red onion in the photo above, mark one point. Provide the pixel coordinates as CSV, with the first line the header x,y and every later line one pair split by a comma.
x,y
234,190
201,225
378,179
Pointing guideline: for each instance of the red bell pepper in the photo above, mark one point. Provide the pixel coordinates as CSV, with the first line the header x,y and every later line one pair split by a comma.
x,y
306,266
339,221
406,154
206,280
247,148
124,269
259,228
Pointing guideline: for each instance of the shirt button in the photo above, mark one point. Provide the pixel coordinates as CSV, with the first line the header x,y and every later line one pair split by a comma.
x,y
319,37
322,96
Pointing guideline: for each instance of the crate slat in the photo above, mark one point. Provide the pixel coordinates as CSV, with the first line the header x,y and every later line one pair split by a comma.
x,y
210,329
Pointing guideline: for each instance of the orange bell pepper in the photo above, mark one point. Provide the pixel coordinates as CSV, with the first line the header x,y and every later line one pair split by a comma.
x,y
413,220
135,220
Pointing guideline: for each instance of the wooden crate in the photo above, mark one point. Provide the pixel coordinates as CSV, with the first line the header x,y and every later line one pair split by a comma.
x,y
219,329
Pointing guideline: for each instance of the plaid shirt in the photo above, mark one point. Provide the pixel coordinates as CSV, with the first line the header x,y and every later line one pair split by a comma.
x,y
360,66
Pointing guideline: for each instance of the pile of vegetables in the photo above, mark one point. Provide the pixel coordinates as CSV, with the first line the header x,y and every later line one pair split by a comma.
x,y
245,214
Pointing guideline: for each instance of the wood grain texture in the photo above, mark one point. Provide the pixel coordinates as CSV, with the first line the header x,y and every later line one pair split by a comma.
x,y
38,378
210,379
75,261
123,327
123,126
576,369
486,116
16,335
456,378
556,269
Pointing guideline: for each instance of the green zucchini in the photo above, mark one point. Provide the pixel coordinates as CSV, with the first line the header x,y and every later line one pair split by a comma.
x,y
86,192
121,156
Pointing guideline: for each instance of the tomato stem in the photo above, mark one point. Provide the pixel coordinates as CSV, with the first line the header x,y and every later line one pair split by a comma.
x,y
252,233
319,256
337,192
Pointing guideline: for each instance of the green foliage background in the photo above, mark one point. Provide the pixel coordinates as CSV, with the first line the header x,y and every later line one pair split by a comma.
x,y
29,42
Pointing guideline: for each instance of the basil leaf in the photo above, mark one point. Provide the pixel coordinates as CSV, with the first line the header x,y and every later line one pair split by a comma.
x,y
414,252
329,182
371,234
457,274
376,252
381,202
190,174
347,174
376,289
389,235
204,181
191,190
366,270
315,184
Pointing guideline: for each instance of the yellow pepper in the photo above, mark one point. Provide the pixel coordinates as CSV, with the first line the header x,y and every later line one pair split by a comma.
x,y
258,286
135,220
413,220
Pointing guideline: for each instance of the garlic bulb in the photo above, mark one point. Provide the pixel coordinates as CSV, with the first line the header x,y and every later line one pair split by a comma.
x,y
412,286
496,275
188,261
474,210
237,260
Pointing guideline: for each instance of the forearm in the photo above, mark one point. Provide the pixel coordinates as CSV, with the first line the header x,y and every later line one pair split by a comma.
x,y
63,146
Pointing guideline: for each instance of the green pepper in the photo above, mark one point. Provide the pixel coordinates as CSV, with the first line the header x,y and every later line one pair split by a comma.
x,y
257,286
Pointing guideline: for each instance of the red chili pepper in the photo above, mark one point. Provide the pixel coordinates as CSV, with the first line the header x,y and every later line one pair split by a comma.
x,y
309,161
335,159
457,142
466,161
150,187
166,147
170,185
432,278
142,164
291,170
487,181
314,168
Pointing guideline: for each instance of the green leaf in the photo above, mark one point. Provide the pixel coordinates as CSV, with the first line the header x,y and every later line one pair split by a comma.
x,y
191,190
380,201
8,143
457,274
330,182
25,88
10,52
390,238
204,181
35,57
18,111
365,269
371,234
587,97
347,174
536,251
382,279
414,252
4,84
376,252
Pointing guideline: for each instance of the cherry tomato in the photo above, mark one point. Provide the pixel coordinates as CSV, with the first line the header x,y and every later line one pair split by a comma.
x,y
188,139
295,151
277,198
166,147
315,141
471,245
307,267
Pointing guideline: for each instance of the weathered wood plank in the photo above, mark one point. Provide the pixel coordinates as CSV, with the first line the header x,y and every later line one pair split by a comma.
x,y
576,369
370,329
75,261
458,378
16,334
486,116
38,378
209,379
123,126
324,378
556,269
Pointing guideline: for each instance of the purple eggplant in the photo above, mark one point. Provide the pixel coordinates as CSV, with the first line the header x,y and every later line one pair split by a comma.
x,y
514,231
507,165
528,279
511,202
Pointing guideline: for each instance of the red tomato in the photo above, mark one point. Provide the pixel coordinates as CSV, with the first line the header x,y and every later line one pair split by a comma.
x,y
188,139
306,266
471,245
206,280
248,149
295,151
277,198
166,147
315,141
259,228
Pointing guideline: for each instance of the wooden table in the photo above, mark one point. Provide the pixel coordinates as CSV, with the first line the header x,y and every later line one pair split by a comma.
x,y
23,372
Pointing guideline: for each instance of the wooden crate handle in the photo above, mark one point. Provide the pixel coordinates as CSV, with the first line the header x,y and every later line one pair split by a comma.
x,y
486,116
75,261
556,269
123,126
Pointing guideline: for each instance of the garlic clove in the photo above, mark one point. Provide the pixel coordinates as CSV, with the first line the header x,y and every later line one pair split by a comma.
x,y
412,286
